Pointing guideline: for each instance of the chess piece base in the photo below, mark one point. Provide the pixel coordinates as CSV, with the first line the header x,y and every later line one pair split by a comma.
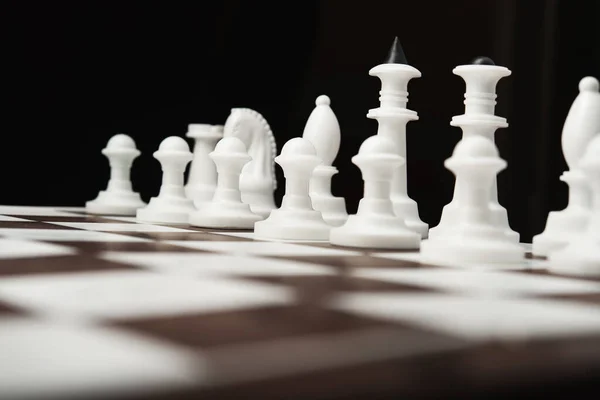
x,y
199,193
407,209
472,245
224,216
375,231
174,211
333,209
293,225
115,203
561,226
579,258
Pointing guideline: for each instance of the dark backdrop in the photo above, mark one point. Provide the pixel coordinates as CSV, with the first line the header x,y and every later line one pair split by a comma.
x,y
75,73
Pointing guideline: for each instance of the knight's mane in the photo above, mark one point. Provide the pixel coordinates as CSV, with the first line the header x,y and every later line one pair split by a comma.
x,y
269,133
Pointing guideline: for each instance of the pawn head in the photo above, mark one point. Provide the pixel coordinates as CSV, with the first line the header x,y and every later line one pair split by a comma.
x,y
298,146
174,143
230,144
120,142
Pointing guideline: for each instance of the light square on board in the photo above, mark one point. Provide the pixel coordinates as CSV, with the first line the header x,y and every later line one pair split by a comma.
x,y
483,283
32,211
31,224
70,218
15,248
210,264
125,294
477,317
8,218
119,227
43,359
263,248
67,235
188,236
525,264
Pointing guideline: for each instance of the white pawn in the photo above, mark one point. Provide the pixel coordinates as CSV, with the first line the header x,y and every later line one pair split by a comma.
x,y
581,256
171,206
375,224
119,197
323,131
295,219
581,124
202,178
226,209
475,237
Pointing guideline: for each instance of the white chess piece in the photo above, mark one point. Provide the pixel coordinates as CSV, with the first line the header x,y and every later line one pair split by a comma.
x,y
375,225
323,131
226,210
475,237
295,219
202,179
581,256
171,206
392,117
257,181
478,119
119,197
581,124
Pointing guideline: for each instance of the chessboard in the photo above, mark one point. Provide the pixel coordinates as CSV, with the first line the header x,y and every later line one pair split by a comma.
x,y
107,307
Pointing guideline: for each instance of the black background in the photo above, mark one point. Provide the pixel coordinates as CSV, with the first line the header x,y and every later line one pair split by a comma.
x,y
77,73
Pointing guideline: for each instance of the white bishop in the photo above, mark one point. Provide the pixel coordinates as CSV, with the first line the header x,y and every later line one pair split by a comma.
x,y
581,256
581,124
323,131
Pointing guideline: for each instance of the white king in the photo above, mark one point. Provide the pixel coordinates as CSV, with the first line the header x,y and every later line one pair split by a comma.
x,y
392,117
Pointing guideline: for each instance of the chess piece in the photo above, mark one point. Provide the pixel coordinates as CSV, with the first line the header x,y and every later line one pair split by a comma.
x,y
202,178
392,117
295,219
581,256
475,236
226,210
481,78
257,181
171,206
323,131
581,124
119,197
375,224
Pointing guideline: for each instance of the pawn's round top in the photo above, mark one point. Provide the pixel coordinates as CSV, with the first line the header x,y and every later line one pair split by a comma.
x,y
174,143
230,144
377,145
475,147
481,60
591,157
298,146
120,142
589,84
323,100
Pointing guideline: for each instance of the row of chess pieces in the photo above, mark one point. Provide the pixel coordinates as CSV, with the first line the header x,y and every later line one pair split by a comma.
x,y
474,227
